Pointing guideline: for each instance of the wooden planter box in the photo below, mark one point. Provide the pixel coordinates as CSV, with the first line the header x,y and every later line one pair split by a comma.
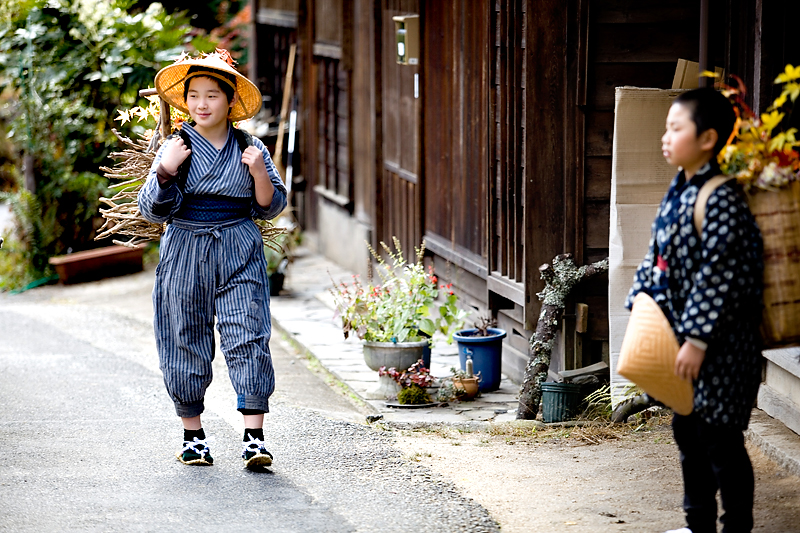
x,y
96,264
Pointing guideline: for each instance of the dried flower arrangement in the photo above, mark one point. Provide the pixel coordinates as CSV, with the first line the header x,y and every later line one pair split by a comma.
x,y
758,154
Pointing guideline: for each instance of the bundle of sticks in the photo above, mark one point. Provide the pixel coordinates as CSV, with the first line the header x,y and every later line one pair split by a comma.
x,y
122,215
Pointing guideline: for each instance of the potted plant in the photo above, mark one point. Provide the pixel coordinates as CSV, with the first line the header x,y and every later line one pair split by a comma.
x,y
461,385
280,253
449,319
483,344
393,317
410,384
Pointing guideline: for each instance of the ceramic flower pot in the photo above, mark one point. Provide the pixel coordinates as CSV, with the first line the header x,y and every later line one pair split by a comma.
x,y
468,385
399,355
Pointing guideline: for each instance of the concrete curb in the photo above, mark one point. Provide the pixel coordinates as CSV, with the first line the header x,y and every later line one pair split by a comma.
x,y
332,379
778,442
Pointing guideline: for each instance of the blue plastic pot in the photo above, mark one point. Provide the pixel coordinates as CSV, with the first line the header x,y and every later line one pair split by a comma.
x,y
486,353
426,352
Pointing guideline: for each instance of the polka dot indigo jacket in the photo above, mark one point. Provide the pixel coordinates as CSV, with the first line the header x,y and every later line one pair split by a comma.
x,y
710,288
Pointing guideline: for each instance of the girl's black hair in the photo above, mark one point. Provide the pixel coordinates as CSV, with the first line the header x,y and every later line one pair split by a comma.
x,y
710,111
224,87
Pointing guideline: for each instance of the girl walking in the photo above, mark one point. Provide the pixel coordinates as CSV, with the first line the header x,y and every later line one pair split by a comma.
x,y
208,184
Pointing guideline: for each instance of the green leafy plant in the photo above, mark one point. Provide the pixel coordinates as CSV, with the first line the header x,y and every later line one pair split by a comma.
x,y
398,309
761,152
597,405
450,318
413,395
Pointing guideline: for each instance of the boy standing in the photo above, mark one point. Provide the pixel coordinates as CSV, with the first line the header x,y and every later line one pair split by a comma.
x,y
211,260
710,289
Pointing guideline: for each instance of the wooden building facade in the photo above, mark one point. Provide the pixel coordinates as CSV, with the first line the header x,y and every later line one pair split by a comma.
x,y
495,147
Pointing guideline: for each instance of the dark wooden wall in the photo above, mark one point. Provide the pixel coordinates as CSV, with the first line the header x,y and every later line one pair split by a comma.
x,y
364,113
399,201
455,89
290,6
326,47
274,31
509,134
275,23
504,159
629,43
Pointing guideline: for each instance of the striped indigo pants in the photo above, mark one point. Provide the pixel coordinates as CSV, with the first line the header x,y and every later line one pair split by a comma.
x,y
211,269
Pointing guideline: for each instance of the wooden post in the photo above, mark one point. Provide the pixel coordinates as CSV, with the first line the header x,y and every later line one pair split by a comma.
x,y
287,97
164,120
166,124
703,52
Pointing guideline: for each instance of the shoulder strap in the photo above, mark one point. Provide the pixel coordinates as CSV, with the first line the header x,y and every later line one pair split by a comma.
x,y
183,169
243,139
702,199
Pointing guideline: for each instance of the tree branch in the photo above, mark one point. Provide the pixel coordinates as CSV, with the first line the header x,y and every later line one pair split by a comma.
x,y
559,279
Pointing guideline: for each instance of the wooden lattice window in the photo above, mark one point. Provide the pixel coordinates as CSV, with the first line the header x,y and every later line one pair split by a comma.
x,y
508,76
332,156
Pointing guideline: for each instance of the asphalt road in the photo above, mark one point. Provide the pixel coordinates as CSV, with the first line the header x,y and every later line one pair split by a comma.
x,y
88,435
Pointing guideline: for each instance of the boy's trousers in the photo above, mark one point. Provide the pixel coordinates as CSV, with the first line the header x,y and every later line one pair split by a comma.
x,y
712,458
209,269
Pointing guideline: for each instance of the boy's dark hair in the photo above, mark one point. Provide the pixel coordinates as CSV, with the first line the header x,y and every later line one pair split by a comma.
x,y
710,111
214,74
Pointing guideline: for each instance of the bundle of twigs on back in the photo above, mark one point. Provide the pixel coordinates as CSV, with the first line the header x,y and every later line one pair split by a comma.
x,y
122,216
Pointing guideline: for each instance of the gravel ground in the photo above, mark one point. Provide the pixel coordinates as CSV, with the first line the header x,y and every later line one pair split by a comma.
x,y
361,474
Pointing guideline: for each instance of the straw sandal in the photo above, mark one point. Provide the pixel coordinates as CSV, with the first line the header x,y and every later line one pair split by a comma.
x,y
254,454
195,453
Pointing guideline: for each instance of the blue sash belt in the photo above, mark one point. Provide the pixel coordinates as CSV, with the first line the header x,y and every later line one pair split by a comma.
x,y
211,208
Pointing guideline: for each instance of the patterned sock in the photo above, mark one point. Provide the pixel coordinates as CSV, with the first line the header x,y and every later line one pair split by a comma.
x,y
195,453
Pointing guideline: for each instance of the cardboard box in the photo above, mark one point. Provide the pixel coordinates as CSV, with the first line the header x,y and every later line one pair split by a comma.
x,y
639,179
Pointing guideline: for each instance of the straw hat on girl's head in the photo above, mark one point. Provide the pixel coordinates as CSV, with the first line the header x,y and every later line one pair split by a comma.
x,y
170,82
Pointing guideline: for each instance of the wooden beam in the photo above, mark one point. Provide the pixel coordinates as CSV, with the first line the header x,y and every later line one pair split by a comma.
x,y
704,82
380,199
545,109
309,117
287,97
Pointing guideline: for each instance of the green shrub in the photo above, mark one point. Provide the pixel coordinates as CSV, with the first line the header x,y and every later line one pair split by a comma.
x,y
65,67
413,395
